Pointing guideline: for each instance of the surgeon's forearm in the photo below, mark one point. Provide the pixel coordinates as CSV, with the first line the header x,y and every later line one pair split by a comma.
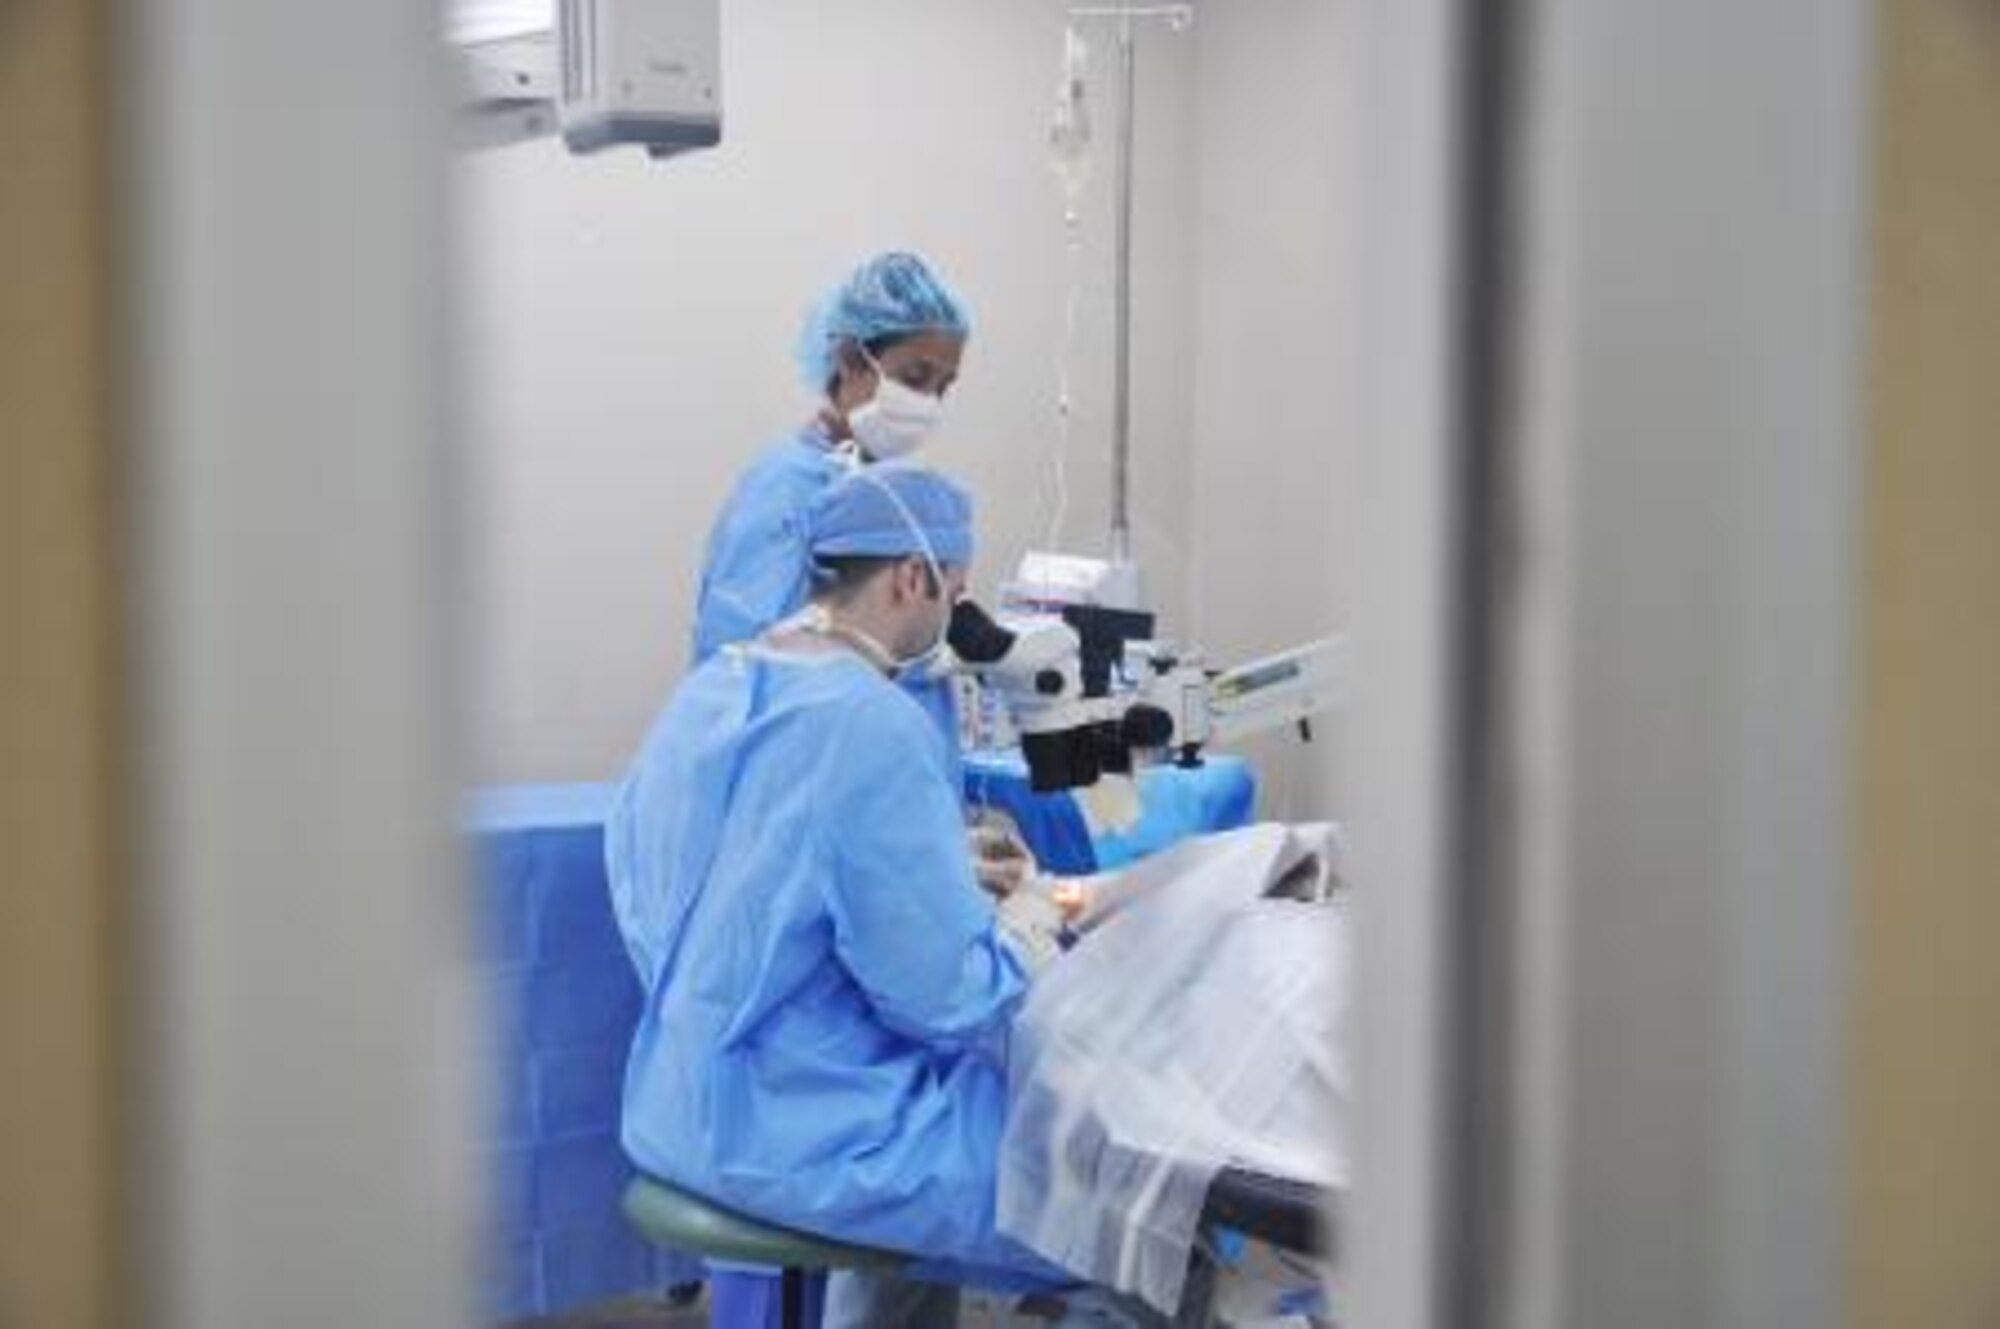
x,y
963,1009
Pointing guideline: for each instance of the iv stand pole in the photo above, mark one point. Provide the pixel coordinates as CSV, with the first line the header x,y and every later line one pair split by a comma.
x,y
1121,411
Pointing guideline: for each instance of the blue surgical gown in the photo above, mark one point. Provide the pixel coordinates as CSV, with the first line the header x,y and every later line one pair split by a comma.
x,y
827,998
756,570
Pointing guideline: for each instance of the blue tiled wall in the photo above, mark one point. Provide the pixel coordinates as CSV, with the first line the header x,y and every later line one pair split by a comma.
x,y
561,1004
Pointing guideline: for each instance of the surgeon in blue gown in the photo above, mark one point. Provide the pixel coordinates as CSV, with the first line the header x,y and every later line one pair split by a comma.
x,y
828,994
882,350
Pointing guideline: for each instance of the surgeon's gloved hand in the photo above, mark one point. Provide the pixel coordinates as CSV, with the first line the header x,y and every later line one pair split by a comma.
x,y
1031,927
999,860
1076,900
1045,917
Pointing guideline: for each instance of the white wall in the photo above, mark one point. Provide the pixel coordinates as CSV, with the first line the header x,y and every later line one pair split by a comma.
x,y
628,328
1273,386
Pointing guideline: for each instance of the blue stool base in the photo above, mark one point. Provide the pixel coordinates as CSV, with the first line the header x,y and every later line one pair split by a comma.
x,y
740,1300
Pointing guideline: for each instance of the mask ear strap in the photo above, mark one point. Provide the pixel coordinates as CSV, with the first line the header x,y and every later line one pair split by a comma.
x,y
874,365
844,362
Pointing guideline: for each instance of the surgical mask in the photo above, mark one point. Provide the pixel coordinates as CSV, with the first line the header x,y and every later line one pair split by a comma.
x,y
896,420
924,662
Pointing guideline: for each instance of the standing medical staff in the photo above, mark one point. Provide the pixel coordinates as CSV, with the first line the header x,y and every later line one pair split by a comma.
x,y
882,348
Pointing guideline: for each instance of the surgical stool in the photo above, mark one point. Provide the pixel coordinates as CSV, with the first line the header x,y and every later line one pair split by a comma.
x,y
679,1220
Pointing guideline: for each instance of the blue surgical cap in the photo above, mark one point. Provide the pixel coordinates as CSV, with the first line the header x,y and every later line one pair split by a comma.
x,y
891,295
857,515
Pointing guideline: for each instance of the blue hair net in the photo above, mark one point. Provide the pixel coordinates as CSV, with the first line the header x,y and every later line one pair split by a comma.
x,y
891,295
879,510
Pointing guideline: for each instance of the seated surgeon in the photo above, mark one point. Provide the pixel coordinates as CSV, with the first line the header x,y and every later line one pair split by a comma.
x,y
828,996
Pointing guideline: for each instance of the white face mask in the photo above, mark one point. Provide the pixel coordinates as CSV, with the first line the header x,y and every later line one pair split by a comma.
x,y
923,663
897,420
